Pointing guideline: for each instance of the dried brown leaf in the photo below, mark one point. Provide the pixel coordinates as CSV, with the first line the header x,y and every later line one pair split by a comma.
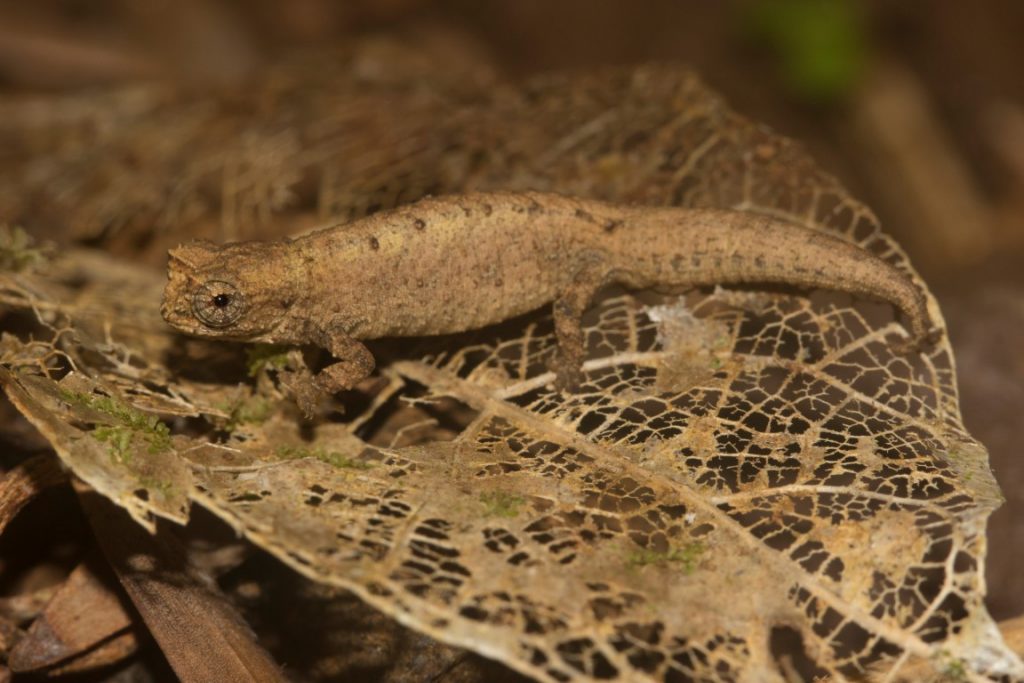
x,y
738,464
199,632
85,612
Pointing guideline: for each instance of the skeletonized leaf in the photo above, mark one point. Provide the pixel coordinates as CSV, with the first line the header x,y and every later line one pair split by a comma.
x,y
740,465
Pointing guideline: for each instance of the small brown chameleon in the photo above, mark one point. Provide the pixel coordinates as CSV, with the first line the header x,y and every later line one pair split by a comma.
x,y
459,262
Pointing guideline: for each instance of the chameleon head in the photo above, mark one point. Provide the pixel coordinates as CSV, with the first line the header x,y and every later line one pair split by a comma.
x,y
233,291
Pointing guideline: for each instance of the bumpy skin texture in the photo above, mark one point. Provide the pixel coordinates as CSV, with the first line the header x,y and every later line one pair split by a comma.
x,y
459,262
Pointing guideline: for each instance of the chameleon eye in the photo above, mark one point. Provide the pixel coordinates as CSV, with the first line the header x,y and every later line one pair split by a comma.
x,y
218,304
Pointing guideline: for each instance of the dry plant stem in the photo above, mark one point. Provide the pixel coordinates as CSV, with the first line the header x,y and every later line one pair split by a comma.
x,y
22,484
84,613
920,174
198,631
460,262
32,55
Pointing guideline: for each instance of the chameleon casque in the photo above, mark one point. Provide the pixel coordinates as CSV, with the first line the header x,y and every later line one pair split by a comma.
x,y
459,262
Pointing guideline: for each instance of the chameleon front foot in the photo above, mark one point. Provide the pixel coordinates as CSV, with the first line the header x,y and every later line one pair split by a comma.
x,y
308,397
305,391
340,376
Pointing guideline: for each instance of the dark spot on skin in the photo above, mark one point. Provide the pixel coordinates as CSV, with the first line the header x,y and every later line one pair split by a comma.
x,y
534,207
612,225
759,262
695,260
499,282
677,262
466,210
583,215
488,209
419,224
374,243
309,259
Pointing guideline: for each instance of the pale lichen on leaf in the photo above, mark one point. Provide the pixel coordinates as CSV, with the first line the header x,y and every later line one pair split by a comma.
x,y
737,461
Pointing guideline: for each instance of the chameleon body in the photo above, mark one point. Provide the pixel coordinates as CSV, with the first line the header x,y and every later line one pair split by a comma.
x,y
459,262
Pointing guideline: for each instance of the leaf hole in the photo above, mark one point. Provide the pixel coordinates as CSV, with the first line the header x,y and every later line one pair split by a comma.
x,y
582,655
474,613
964,562
791,656
590,422
834,569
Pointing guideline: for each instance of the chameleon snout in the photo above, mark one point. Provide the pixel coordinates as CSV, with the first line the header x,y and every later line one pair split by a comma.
x,y
175,308
171,311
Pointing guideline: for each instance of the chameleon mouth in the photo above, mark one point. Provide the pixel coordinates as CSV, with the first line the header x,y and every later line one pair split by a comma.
x,y
174,307
175,315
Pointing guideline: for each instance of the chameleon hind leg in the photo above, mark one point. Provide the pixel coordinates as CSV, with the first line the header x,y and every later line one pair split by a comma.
x,y
568,310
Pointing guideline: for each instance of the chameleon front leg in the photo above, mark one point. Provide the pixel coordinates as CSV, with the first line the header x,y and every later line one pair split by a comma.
x,y
568,311
354,364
